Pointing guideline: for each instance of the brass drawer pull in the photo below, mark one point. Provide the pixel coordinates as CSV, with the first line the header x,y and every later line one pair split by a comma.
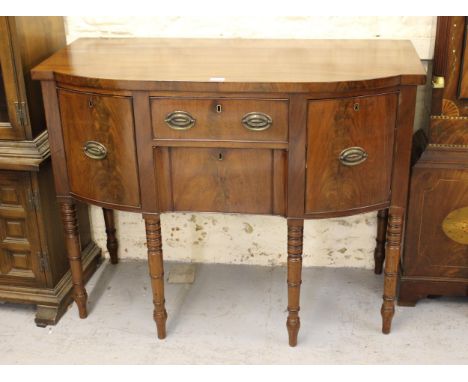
x,y
353,156
256,121
180,120
95,150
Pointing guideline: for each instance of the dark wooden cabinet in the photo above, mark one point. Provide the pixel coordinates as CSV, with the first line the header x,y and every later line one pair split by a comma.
x,y
307,134
435,260
360,132
33,263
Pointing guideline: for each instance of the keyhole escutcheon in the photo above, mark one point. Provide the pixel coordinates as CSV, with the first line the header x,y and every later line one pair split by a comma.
x,y
219,108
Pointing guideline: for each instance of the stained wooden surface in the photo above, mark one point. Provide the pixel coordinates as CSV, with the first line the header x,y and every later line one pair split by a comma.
x,y
292,65
310,90
226,180
220,118
25,42
109,121
335,125
434,263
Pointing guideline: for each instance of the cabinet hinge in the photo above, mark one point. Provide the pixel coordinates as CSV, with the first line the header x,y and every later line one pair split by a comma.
x,y
20,108
43,261
33,200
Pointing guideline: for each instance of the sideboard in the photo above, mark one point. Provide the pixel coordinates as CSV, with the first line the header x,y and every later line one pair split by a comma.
x,y
303,129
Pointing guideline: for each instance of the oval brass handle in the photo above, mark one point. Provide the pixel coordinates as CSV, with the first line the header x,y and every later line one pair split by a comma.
x,y
256,121
180,120
95,150
353,156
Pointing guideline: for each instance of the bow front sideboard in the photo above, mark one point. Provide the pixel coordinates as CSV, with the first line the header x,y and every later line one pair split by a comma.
x,y
304,129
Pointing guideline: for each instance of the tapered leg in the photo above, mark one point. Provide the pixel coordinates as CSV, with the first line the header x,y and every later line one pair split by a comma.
x,y
156,270
295,238
112,243
379,253
72,241
393,249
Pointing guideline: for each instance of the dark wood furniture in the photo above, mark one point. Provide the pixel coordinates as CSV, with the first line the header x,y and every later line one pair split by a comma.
x,y
435,258
33,263
298,128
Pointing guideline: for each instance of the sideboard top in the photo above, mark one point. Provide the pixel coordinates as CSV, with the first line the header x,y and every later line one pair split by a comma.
x,y
233,64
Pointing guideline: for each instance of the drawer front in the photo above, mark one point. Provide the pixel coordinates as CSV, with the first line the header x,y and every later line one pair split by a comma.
x,y
19,236
98,135
349,152
222,119
221,180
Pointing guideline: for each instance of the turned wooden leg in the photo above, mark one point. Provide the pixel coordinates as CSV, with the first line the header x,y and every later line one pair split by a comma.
x,y
156,270
112,243
295,236
379,253
72,242
393,249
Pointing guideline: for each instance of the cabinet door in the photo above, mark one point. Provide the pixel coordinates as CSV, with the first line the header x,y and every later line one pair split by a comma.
x,y
99,141
436,243
12,107
19,240
221,180
349,153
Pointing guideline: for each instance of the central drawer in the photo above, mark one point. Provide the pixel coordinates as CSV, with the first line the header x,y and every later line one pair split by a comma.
x,y
236,119
221,180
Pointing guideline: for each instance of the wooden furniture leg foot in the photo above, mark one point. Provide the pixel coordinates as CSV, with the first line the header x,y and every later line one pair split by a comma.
x,y
72,241
156,271
394,229
295,238
112,243
379,252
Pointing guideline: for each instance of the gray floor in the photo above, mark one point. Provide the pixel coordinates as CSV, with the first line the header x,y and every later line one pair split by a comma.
x,y
236,314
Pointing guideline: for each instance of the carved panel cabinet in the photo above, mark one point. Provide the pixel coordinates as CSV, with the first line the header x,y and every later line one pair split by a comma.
x,y
297,128
33,263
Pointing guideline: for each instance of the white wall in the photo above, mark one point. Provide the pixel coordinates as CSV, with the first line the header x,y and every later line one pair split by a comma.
x,y
231,238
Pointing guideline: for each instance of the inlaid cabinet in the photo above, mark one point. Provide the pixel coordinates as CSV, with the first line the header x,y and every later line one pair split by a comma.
x,y
33,263
296,128
435,261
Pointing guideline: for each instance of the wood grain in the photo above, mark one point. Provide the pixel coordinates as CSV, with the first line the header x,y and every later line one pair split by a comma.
x,y
109,121
220,125
243,64
226,180
335,125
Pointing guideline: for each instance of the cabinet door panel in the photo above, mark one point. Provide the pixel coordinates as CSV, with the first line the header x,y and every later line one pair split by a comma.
x,y
98,135
10,99
222,180
360,130
437,228
19,241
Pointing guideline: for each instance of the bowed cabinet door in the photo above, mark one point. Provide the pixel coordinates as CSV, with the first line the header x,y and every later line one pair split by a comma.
x,y
98,134
349,153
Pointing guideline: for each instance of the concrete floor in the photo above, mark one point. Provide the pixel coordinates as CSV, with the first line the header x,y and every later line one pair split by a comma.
x,y
235,314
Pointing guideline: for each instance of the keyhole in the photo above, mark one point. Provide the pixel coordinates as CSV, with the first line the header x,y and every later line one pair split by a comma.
x,y
219,108
90,103
220,156
356,107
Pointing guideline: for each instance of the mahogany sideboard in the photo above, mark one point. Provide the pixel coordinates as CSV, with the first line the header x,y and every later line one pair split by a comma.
x,y
303,129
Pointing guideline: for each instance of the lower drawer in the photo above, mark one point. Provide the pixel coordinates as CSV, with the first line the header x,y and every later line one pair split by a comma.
x,y
221,180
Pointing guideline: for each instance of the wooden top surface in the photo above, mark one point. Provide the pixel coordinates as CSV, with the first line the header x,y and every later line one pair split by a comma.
x,y
289,64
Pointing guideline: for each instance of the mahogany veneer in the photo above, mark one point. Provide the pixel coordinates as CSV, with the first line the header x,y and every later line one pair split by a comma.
x,y
301,129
